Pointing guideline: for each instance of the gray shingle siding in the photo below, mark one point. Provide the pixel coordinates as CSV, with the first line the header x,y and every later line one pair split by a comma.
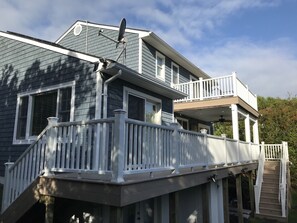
x,y
89,42
26,67
149,65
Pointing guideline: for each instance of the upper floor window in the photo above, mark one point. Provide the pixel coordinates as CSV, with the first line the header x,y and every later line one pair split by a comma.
x,y
160,66
35,107
142,107
174,73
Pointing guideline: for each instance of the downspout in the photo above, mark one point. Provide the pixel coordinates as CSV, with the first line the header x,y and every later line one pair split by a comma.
x,y
98,105
105,89
102,152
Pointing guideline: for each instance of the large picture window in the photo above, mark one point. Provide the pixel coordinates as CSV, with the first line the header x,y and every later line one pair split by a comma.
x,y
34,108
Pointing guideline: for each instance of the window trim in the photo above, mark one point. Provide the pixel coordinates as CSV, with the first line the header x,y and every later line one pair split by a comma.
x,y
162,77
28,139
144,96
183,120
174,65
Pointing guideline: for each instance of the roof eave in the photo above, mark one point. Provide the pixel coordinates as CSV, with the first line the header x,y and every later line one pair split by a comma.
x,y
143,81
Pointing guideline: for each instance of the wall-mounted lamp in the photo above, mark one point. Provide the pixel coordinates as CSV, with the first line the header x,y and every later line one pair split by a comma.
x,y
212,178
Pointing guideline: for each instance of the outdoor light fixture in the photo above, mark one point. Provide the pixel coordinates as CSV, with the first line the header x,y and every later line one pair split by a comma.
x,y
212,178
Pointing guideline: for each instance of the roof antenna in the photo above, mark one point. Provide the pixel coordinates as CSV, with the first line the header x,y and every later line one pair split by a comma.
x,y
121,39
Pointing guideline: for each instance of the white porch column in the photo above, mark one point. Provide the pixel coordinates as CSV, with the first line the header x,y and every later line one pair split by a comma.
x,y
216,204
256,132
247,128
235,128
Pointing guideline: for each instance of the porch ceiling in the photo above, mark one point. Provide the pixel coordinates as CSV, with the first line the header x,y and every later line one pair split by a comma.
x,y
208,114
211,110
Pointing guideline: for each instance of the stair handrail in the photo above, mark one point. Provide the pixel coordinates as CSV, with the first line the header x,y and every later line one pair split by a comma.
x,y
259,180
283,178
9,195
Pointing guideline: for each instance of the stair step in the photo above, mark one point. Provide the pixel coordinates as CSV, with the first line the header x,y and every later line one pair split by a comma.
x,y
274,190
270,195
270,205
269,199
270,211
272,218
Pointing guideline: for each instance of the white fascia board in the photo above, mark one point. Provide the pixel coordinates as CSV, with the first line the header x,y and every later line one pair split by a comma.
x,y
50,47
100,26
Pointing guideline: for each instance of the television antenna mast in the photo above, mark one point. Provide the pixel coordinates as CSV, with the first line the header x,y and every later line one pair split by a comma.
x,y
120,40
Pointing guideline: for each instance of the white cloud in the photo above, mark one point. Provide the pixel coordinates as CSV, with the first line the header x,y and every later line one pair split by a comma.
x,y
270,69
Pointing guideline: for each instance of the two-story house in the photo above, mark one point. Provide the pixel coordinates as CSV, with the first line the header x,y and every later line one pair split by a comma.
x,y
112,150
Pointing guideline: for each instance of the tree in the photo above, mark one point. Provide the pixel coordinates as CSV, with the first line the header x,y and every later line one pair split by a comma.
x,y
277,123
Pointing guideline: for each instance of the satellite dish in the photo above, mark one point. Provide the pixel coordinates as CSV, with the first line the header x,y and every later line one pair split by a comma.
x,y
121,39
122,30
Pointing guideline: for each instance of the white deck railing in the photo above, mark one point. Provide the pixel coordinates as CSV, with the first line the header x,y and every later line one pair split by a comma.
x,y
215,88
259,180
116,147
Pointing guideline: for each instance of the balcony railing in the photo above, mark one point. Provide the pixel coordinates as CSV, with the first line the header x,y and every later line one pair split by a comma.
x,y
117,147
218,87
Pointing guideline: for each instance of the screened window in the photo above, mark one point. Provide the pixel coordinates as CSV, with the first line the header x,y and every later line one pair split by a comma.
x,y
160,66
34,109
175,73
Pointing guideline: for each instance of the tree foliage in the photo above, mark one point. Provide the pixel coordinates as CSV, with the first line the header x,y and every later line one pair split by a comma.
x,y
277,123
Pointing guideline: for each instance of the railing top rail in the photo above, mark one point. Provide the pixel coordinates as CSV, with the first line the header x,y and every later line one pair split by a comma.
x,y
30,147
136,122
95,121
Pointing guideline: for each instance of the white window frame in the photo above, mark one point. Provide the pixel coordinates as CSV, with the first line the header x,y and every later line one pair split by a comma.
x,y
28,138
174,65
162,76
146,97
183,120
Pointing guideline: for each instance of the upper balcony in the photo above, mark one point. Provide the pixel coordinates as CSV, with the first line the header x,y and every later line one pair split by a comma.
x,y
219,87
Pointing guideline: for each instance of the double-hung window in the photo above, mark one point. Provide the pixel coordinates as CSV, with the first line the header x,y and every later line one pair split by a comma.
x,y
174,73
160,66
142,107
33,109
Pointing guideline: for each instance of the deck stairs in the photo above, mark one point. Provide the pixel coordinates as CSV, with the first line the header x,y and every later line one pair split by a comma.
x,y
273,196
270,207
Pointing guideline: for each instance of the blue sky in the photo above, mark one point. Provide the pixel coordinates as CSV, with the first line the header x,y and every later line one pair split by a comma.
x,y
255,38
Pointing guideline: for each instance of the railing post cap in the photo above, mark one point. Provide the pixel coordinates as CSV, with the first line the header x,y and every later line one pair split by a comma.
x,y
52,120
8,163
119,111
203,131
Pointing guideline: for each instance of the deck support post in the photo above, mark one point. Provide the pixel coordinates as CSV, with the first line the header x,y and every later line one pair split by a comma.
x,y
216,204
247,128
235,127
239,198
251,192
51,145
226,200
205,206
118,150
256,132
49,203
